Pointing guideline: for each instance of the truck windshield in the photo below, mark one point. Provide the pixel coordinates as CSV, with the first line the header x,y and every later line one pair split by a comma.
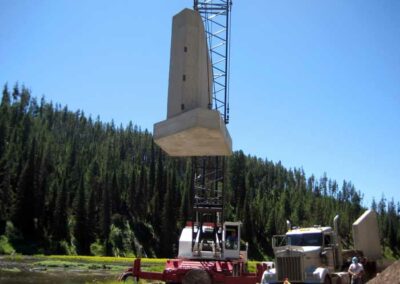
x,y
304,240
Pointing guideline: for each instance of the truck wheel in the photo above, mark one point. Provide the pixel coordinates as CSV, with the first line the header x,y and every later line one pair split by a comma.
x,y
128,278
196,276
327,280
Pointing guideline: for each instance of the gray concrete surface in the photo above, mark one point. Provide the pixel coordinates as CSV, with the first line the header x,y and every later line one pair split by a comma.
x,y
189,58
199,132
191,127
366,235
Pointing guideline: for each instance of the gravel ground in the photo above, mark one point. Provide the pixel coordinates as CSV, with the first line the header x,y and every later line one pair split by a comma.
x,y
390,275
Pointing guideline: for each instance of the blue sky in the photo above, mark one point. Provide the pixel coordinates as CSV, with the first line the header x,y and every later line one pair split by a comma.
x,y
314,84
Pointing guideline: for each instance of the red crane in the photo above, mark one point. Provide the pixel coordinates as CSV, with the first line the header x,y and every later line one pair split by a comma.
x,y
210,248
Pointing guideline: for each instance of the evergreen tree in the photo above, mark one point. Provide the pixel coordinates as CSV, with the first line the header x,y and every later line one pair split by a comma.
x,y
132,193
115,194
92,217
4,119
106,219
24,212
81,232
141,200
392,224
168,225
60,220
158,198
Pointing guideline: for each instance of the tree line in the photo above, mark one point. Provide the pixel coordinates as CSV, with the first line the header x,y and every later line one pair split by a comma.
x,y
71,184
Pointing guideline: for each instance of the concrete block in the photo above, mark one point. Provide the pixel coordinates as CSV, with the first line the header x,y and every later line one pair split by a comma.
x,y
366,235
191,127
190,72
199,132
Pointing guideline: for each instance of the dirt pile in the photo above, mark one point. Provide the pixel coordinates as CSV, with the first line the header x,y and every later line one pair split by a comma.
x,y
390,275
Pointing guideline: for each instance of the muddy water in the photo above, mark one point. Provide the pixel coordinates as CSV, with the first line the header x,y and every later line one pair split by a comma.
x,y
23,271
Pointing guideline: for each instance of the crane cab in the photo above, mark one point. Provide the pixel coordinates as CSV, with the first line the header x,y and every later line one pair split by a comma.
x,y
231,240
209,242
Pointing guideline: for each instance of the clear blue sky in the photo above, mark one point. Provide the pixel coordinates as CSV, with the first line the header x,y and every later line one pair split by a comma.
x,y
314,84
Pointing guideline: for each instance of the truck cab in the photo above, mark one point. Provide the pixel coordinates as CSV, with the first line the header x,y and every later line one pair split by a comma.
x,y
314,254
304,255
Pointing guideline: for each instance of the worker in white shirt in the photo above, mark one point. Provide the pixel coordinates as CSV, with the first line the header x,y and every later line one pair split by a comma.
x,y
356,271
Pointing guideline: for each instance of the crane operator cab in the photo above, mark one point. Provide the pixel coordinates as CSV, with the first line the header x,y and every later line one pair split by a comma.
x,y
231,241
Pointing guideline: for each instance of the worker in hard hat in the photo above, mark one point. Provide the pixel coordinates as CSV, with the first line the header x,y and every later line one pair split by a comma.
x,y
356,271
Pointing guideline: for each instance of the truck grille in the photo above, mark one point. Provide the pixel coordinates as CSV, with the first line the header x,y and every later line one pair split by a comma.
x,y
289,267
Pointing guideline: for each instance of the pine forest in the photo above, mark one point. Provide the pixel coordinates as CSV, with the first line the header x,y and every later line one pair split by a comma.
x,y
71,184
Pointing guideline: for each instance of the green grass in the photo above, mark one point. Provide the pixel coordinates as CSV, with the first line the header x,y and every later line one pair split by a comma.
x,y
14,257
14,269
148,264
388,253
92,262
114,264
5,246
102,259
57,263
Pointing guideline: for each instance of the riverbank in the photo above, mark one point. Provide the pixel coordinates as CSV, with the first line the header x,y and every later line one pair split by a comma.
x,y
68,269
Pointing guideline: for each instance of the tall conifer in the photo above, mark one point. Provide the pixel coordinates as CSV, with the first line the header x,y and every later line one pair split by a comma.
x,y
81,232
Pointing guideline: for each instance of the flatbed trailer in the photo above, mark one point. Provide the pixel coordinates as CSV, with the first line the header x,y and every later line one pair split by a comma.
x,y
198,271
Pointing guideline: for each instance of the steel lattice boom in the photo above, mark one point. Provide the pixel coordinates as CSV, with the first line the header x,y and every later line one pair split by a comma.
x,y
209,172
216,18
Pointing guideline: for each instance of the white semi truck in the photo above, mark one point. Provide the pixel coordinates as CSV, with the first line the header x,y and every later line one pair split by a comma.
x,y
314,254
